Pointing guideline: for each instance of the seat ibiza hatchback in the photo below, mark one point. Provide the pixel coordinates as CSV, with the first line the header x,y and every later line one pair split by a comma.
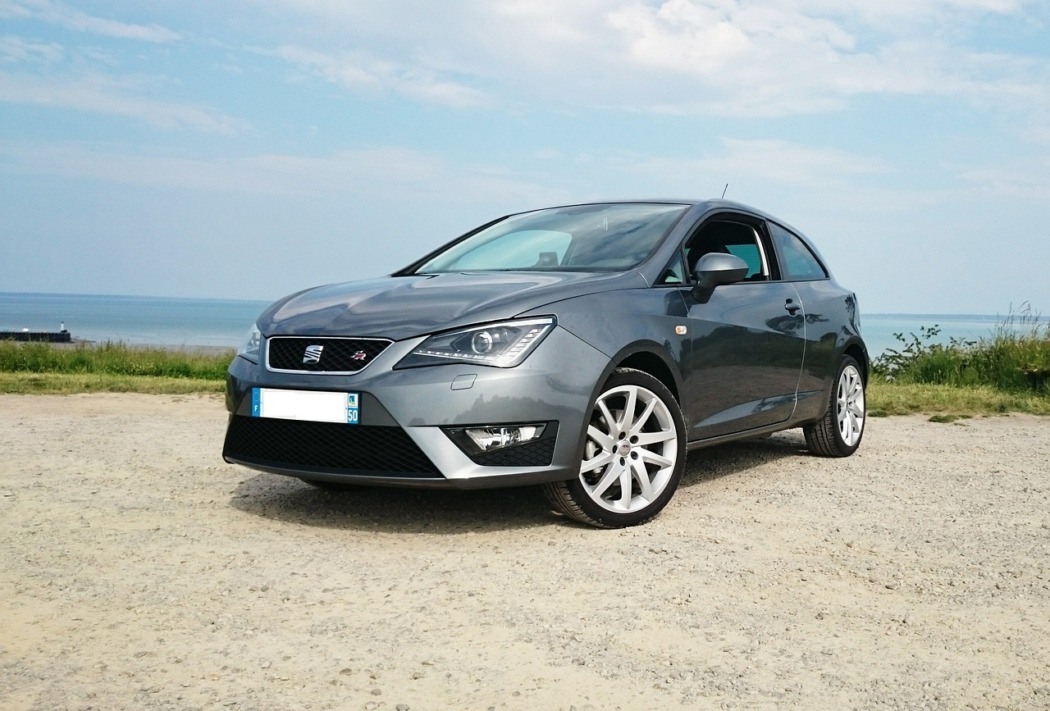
x,y
584,348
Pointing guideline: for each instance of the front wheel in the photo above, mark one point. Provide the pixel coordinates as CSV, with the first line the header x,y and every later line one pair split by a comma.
x,y
633,455
838,432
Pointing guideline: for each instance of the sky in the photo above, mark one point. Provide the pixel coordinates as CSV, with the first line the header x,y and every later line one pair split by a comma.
x,y
247,150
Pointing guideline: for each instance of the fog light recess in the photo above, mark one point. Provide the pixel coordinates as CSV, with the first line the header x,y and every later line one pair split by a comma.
x,y
487,439
525,444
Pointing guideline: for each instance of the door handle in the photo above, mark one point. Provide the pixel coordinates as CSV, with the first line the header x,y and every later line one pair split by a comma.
x,y
792,307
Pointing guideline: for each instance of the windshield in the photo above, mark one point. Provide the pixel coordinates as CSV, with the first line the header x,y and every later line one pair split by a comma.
x,y
611,237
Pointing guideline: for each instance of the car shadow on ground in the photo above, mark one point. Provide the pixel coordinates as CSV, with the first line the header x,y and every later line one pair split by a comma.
x,y
392,510
452,512
711,463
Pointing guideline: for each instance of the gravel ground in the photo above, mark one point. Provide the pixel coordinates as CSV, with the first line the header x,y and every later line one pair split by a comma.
x,y
137,570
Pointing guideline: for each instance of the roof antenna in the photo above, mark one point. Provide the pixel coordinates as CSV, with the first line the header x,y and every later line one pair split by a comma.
x,y
724,191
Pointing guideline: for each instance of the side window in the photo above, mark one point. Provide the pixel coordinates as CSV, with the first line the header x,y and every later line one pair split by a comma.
x,y
797,261
727,237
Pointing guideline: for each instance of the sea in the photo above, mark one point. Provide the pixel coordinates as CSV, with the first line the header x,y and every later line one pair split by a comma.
x,y
187,322
134,320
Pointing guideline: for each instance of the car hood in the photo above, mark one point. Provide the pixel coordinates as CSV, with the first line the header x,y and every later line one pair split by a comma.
x,y
407,306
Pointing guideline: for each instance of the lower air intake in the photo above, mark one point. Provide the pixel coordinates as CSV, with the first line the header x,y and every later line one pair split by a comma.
x,y
326,447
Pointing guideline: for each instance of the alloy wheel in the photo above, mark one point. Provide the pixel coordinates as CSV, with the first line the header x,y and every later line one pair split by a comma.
x,y
850,405
631,449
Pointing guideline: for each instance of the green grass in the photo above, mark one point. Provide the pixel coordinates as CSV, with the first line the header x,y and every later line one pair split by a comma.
x,y
109,367
885,399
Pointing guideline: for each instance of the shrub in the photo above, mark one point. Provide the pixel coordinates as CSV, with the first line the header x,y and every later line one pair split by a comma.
x,y
1015,358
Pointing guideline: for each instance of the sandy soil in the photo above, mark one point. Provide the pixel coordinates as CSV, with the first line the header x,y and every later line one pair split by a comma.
x,y
137,570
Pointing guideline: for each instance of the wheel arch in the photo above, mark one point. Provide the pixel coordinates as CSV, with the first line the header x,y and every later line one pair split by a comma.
x,y
826,435
649,359
857,352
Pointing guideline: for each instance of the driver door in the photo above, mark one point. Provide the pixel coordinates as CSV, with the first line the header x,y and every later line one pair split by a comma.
x,y
743,355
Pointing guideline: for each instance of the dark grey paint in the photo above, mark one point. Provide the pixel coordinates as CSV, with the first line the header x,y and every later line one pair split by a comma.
x,y
755,357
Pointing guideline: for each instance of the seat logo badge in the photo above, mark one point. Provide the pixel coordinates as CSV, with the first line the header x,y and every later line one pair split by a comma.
x,y
312,355
360,355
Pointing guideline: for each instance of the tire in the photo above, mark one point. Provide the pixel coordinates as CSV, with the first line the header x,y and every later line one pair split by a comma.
x,y
633,455
839,431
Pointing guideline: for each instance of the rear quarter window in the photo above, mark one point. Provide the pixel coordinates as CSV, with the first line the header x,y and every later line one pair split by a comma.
x,y
797,262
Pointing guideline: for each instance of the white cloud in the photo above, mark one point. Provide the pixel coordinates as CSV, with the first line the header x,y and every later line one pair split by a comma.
x,y
770,164
908,15
360,70
1006,183
381,173
351,69
72,19
45,77
15,49
680,37
106,95
714,57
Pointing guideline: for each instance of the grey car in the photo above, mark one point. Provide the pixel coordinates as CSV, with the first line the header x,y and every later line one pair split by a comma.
x,y
584,348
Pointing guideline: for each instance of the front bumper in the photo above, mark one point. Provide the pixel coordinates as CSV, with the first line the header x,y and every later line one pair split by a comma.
x,y
400,440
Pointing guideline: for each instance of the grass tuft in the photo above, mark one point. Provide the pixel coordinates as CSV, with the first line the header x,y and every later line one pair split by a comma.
x,y
887,399
948,419
72,383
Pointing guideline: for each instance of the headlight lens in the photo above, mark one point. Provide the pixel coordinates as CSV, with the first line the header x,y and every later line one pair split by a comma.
x,y
502,345
252,348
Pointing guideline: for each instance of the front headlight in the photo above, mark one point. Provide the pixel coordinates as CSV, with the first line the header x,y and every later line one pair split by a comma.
x,y
502,345
252,348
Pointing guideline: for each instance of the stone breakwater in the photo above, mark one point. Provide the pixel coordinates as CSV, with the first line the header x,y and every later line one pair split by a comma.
x,y
62,336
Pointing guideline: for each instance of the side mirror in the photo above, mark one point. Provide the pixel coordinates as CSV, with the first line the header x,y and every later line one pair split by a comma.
x,y
716,269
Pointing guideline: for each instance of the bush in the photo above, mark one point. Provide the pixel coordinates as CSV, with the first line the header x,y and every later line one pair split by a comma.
x,y
1015,358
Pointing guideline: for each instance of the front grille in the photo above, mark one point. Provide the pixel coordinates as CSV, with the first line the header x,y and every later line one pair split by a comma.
x,y
322,355
326,446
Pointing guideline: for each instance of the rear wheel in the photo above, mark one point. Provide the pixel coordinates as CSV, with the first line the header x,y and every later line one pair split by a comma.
x,y
633,455
839,432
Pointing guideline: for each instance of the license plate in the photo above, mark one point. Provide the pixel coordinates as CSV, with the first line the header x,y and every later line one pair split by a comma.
x,y
306,405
